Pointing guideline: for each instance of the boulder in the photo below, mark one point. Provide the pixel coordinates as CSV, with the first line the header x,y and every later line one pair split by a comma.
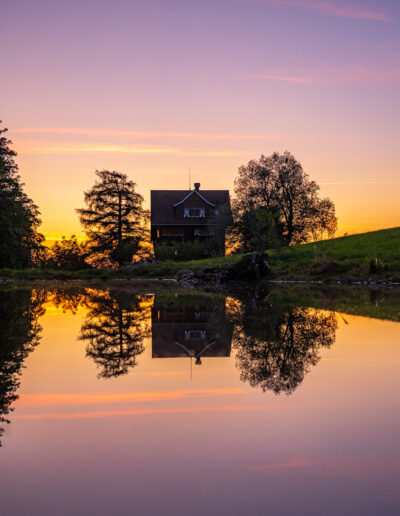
x,y
252,267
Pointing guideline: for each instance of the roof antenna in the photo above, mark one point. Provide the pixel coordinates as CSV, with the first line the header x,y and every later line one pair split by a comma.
x,y
189,179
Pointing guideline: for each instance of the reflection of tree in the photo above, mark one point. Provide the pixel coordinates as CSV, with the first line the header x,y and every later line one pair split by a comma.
x,y
276,348
68,299
19,334
115,328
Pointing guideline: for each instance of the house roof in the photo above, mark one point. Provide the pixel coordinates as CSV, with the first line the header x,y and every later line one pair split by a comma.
x,y
195,192
163,203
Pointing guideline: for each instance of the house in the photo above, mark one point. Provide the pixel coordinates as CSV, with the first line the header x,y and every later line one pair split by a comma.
x,y
182,215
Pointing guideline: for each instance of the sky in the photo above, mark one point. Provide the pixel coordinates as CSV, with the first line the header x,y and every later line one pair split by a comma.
x,y
153,87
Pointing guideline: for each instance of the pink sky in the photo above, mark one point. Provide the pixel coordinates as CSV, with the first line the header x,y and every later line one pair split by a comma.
x,y
153,88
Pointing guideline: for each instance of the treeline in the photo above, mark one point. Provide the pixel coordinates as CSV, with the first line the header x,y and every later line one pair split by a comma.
x,y
275,205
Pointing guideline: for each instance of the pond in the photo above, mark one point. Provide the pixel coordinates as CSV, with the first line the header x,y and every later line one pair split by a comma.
x,y
154,401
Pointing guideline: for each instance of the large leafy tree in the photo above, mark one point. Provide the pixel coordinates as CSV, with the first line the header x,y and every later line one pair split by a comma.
x,y
278,183
114,219
19,216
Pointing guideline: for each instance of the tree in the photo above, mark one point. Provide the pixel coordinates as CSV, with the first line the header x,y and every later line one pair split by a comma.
x,y
68,254
19,216
259,229
114,219
279,184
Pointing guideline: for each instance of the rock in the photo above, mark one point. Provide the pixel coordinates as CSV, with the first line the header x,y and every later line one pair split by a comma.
x,y
185,274
250,268
128,268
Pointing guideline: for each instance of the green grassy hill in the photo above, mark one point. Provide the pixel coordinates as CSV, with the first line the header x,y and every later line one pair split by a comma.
x,y
373,254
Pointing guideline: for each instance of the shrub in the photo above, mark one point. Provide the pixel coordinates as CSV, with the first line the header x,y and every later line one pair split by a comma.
x,y
184,251
67,254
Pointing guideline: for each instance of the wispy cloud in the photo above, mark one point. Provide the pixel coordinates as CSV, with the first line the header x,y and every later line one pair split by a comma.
x,y
351,75
341,10
284,78
82,131
295,463
47,147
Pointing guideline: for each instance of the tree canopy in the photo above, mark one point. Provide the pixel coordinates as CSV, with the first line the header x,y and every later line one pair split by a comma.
x,y
114,219
19,216
67,254
278,184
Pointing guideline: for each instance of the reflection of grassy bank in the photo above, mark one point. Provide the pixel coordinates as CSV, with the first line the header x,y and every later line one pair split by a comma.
x,y
367,302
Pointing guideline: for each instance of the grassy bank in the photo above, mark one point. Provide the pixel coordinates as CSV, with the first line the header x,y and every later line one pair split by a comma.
x,y
374,255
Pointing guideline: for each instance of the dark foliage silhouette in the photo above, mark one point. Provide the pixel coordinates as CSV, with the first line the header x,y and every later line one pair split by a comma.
x,y
278,184
276,347
20,242
19,334
68,254
114,218
115,328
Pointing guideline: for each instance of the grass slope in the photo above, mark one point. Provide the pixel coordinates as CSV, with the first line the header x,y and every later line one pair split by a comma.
x,y
349,257
345,258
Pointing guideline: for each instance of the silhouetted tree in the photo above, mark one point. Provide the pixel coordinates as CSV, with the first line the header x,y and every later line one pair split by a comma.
x,y
114,219
19,216
68,254
19,334
115,328
259,229
276,347
278,184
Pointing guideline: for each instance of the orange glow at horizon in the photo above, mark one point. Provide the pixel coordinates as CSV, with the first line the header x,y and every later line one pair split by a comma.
x,y
206,102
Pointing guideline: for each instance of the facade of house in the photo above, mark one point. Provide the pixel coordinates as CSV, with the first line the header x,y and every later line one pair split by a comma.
x,y
182,215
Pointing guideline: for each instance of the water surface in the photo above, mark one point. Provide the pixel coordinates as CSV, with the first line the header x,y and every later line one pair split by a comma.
x,y
135,402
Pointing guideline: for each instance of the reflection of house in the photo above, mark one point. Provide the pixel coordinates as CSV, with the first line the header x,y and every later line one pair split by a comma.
x,y
191,330
182,215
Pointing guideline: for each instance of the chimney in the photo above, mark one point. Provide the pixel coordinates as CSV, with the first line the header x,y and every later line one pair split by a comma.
x,y
197,186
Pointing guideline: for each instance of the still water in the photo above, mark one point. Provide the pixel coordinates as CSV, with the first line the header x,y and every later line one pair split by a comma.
x,y
125,402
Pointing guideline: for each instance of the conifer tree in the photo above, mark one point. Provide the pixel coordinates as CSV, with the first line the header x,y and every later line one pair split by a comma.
x,y
114,219
19,216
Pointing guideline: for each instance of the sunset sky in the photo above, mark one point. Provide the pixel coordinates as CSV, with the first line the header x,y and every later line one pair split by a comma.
x,y
152,87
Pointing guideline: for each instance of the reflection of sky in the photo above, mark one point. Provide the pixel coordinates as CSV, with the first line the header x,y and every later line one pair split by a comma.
x,y
155,442
152,87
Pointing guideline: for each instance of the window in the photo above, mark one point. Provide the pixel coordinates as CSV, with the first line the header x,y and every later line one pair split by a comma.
x,y
194,212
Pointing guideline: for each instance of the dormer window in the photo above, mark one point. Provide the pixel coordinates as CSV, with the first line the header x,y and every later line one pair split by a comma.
x,y
194,212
